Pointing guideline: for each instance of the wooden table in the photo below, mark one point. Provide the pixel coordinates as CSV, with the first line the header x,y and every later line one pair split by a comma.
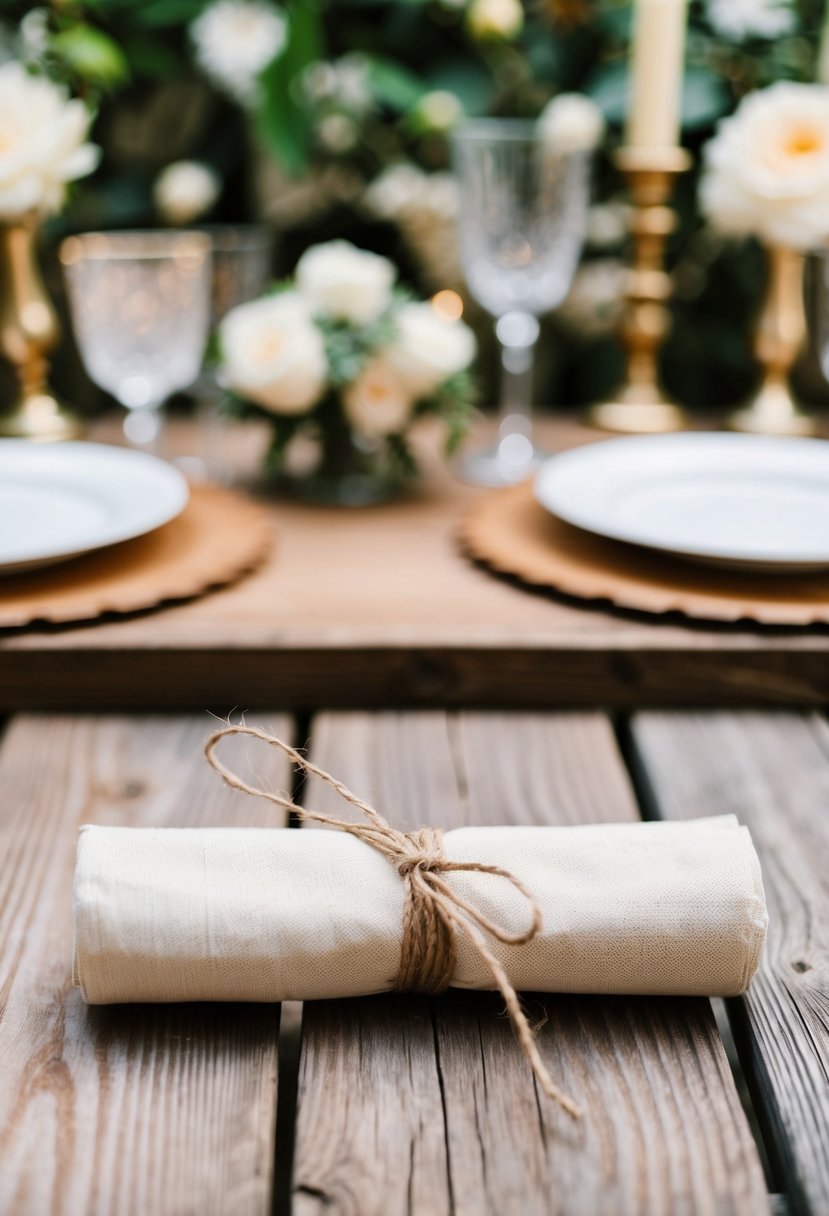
x,y
376,608
393,1105
405,1105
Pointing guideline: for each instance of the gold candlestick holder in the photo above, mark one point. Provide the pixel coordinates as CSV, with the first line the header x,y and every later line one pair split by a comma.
x,y
640,405
28,333
779,338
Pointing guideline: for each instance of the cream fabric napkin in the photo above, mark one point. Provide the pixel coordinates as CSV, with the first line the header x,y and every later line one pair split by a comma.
x,y
165,914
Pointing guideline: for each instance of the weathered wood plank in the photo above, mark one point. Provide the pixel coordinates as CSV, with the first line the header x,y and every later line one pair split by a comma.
x,y
135,1110
409,1106
772,770
378,608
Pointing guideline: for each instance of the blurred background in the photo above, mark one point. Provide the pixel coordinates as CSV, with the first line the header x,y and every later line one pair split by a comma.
x,y
332,119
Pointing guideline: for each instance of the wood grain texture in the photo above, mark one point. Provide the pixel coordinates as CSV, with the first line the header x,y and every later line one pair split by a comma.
x,y
772,770
377,607
412,1106
133,1110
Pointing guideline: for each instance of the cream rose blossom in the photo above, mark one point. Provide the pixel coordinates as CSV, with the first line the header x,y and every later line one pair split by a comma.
x,y
273,354
235,40
378,402
495,20
571,122
43,142
738,20
767,168
185,190
345,283
428,348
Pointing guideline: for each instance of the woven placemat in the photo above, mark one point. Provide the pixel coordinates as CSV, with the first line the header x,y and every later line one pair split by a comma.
x,y
218,537
511,534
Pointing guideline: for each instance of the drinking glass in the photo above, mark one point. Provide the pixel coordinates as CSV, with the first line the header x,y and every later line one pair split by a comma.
x,y
241,271
140,304
523,208
241,265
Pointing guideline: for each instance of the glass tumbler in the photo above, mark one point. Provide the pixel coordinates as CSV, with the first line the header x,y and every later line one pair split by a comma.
x,y
140,305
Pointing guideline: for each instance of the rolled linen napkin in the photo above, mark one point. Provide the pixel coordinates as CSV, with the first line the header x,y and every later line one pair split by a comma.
x,y
271,915
246,914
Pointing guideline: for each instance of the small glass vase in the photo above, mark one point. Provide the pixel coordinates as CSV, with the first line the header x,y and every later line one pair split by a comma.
x,y
351,471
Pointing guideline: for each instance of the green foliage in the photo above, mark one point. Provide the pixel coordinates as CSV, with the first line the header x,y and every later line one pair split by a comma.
x,y
455,403
282,119
92,55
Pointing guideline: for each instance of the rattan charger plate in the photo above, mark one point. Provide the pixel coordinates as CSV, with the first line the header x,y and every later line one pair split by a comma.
x,y
511,534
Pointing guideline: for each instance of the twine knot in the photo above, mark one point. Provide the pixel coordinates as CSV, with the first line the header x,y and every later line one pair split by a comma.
x,y
434,912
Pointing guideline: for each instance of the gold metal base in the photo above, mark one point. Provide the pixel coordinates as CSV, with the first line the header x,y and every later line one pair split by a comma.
x,y
637,417
780,335
639,405
40,417
770,414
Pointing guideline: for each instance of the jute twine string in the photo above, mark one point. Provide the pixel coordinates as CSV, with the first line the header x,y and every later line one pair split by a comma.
x,y
434,913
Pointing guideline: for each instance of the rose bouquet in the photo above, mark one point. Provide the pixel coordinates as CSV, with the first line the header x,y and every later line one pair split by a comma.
x,y
767,169
342,356
766,175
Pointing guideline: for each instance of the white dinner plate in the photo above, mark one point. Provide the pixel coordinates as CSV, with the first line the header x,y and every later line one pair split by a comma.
x,y
61,500
745,501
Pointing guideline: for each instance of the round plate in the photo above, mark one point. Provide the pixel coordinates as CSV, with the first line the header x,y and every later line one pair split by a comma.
x,y
743,501
60,500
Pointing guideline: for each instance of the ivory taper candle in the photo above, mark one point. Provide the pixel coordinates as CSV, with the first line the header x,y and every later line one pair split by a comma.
x,y
658,50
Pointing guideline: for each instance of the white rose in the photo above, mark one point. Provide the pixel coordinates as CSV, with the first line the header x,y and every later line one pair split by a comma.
x,y
495,19
273,354
344,282
235,40
737,20
438,110
378,402
767,168
571,122
185,190
429,348
42,142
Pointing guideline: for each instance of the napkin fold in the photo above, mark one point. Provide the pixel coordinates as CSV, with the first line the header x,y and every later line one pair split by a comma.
x,y
246,914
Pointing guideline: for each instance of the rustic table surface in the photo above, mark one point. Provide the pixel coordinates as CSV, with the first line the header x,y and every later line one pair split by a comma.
x,y
375,607
398,1105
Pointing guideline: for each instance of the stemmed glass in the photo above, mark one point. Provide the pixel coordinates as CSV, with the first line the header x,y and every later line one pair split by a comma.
x,y
241,256
140,304
523,208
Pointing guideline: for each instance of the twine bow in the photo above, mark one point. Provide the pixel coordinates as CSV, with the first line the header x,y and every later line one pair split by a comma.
x,y
434,913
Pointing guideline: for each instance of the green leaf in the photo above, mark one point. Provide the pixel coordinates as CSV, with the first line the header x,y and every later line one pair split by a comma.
x,y
470,81
152,59
161,13
283,121
92,55
704,95
394,85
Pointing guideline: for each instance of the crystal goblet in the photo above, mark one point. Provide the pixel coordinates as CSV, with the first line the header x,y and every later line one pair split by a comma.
x,y
241,260
523,209
140,305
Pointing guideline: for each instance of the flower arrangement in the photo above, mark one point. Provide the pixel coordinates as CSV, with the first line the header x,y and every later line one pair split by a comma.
x,y
341,124
767,169
343,356
42,143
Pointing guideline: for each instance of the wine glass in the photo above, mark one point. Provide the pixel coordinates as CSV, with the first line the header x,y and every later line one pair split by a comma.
x,y
241,271
140,304
523,209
